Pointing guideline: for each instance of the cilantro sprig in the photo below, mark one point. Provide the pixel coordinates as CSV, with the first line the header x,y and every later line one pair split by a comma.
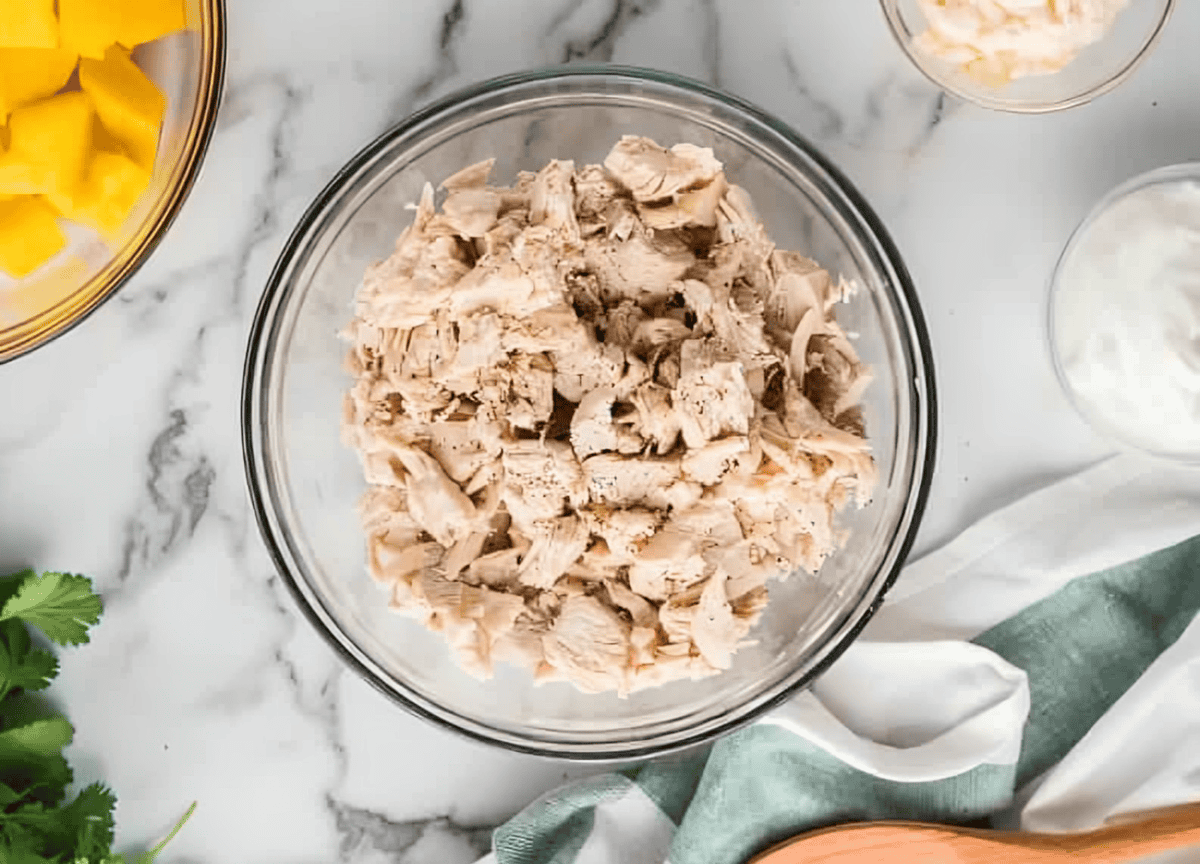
x,y
37,824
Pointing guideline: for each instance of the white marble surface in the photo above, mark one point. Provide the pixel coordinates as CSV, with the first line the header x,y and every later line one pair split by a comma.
x,y
119,447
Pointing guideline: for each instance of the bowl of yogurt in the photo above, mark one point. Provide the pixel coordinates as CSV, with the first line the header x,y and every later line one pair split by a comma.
x,y
1124,314
1027,56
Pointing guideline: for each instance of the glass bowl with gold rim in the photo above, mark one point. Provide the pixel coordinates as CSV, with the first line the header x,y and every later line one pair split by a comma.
x,y
188,66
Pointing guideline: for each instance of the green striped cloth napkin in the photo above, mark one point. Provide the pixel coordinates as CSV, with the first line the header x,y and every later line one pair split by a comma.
x,y
1052,637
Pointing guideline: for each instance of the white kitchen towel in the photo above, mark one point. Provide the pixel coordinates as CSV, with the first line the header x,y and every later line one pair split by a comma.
x,y
915,722
1117,511
913,712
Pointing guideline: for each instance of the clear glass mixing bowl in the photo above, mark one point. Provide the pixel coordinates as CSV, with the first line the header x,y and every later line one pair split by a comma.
x,y
305,484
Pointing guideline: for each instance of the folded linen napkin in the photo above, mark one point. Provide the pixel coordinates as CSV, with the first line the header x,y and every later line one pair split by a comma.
x,y
1049,655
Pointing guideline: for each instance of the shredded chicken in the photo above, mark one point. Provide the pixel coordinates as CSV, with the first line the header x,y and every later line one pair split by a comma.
x,y
599,412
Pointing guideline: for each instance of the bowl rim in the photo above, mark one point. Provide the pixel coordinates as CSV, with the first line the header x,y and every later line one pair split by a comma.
x,y
73,310
895,25
264,331
1166,174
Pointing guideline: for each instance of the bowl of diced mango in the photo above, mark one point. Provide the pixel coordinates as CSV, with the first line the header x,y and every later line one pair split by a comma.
x,y
107,107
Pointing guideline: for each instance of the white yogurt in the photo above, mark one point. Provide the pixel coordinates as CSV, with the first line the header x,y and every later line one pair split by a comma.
x,y
1127,318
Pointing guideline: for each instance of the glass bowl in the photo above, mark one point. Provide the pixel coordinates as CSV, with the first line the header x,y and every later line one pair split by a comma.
x,y
305,484
189,68
1074,350
1097,69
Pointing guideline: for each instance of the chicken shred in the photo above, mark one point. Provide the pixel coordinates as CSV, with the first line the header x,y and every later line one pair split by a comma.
x,y
599,413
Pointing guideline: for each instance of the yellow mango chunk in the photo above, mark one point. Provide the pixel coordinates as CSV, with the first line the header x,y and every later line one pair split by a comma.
x,y
104,200
28,24
91,26
129,104
139,21
49,145
30,74
18,177
86,26
29,235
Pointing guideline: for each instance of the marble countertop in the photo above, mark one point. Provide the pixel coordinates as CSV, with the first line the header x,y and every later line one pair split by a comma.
x,y
119,445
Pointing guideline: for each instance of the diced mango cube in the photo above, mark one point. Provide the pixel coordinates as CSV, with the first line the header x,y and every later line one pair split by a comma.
x,y
29,235
19,177
30,74
140,21
86,26
91,26
129,104
28,24
49,145
104,200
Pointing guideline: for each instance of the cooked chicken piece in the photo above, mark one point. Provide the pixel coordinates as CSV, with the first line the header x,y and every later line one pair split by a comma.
x,y
435,501
384,510
585,367
623,531
495,569
640,268
590,644
716,631
656,420
472,177
531,386
684,209
679,554
459,556
407,289
557,544
552,329
546,474
739,331
594,192
708,463
641,639
599,412
652,173
622,322
593,430
552,201
750,565
621,481
522,646
471,212
652,335
457,447
712,400
641,612
391,558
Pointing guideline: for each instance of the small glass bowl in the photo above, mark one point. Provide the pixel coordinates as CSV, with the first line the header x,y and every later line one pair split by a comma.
x,y
1100,417
305,483
1098,69
189,67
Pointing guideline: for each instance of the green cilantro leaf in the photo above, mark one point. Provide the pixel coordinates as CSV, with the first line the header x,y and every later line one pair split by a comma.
x,y
60,605
35,826
20,847
31,760
20,664
10,584
81,829
7,796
